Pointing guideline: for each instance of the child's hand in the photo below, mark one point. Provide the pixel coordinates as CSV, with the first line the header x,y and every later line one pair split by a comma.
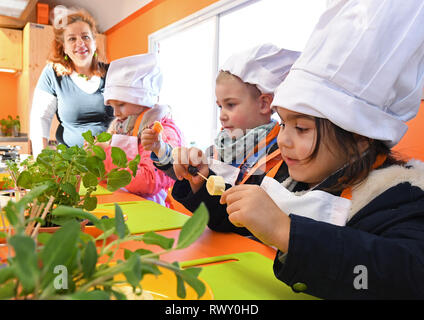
x,y
251,207
183,157
151,140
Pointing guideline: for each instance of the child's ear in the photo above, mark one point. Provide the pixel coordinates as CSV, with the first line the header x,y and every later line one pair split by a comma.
x,y
265,100
362,142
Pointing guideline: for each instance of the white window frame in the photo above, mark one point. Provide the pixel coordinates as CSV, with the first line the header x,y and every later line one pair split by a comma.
x,y
214,10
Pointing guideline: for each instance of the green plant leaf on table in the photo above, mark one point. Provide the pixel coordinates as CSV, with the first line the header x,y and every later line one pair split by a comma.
x,y
118,179
119,222
157,239
31,271
90,259
26,268
119,158
194,227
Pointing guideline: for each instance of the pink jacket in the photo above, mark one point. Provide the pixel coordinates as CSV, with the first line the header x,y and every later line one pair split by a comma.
x,y
150,182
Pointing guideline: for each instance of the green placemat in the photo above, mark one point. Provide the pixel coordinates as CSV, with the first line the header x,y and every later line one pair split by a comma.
x,y
145,216
99,191
250,277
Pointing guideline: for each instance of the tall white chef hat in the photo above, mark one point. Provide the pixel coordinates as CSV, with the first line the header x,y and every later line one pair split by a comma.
x,y
134,79
362,68
264,66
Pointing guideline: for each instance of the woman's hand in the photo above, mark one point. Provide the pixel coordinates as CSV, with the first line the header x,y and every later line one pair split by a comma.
x,y
183,157
151,140
251,207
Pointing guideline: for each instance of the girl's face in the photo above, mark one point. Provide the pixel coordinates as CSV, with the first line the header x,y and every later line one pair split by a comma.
x,y
122,110
297,138
79,43
238,108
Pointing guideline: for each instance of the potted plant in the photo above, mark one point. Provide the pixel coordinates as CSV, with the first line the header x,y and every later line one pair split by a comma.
x,y
15,125
63,169
3,127
65,265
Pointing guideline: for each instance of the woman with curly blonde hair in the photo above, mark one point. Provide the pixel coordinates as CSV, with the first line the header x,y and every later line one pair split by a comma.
x,y
71,85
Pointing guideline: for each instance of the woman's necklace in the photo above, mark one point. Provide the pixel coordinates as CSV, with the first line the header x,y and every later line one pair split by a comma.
x,y
84,76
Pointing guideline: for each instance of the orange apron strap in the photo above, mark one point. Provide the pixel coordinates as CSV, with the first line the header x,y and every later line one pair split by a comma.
x,y
271,173
264,142
137,123
347,193
261,162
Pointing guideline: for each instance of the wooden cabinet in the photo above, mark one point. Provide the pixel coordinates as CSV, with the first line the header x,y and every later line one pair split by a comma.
x,y
10,49
36,45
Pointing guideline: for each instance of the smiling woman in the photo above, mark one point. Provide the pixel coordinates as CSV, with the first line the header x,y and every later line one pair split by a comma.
x,y
71,85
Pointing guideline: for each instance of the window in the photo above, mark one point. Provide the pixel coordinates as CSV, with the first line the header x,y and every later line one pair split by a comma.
x,y
191,50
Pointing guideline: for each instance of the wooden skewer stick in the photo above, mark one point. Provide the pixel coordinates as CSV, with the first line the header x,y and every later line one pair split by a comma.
x,y
202,176
193,171
35,213
34,208
46,210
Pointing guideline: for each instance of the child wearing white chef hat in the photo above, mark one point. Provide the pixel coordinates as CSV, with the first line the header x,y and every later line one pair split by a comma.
x,y
132,88
342,107
246,148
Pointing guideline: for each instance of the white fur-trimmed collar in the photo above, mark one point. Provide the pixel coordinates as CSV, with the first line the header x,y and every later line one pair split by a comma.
x,y
381,180
377,182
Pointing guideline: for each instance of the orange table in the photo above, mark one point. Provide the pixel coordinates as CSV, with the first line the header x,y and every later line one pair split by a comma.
x,y
210,244
118,196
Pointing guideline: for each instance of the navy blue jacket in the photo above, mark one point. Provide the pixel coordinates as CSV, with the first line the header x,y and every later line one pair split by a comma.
x,y
379,254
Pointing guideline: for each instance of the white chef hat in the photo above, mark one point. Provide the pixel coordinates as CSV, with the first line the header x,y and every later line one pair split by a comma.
x,y
362,68
134,79
264,66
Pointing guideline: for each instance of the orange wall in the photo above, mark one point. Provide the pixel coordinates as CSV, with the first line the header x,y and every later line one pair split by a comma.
x,y
8,94
412,144
130,36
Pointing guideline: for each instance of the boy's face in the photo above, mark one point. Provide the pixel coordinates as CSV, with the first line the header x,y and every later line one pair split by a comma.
x,y
122,110
238,108
297,138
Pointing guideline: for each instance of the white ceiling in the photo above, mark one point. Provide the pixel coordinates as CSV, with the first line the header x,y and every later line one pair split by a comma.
x,y
106,12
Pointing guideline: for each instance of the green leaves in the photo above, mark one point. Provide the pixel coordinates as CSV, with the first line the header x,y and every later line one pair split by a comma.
x,y
67,236
32,270
88,136
104,137
90,260
133,164
190,276
119,222
194,227
90,180
25,266
69,212
118,179
157,239
25,180
119,158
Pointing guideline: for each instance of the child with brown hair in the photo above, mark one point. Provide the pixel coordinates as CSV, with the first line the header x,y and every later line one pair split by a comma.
x,y
245,150
132,88
342,107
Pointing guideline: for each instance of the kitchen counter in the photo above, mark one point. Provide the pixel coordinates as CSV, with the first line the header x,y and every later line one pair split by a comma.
x,y
22,141
23,137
